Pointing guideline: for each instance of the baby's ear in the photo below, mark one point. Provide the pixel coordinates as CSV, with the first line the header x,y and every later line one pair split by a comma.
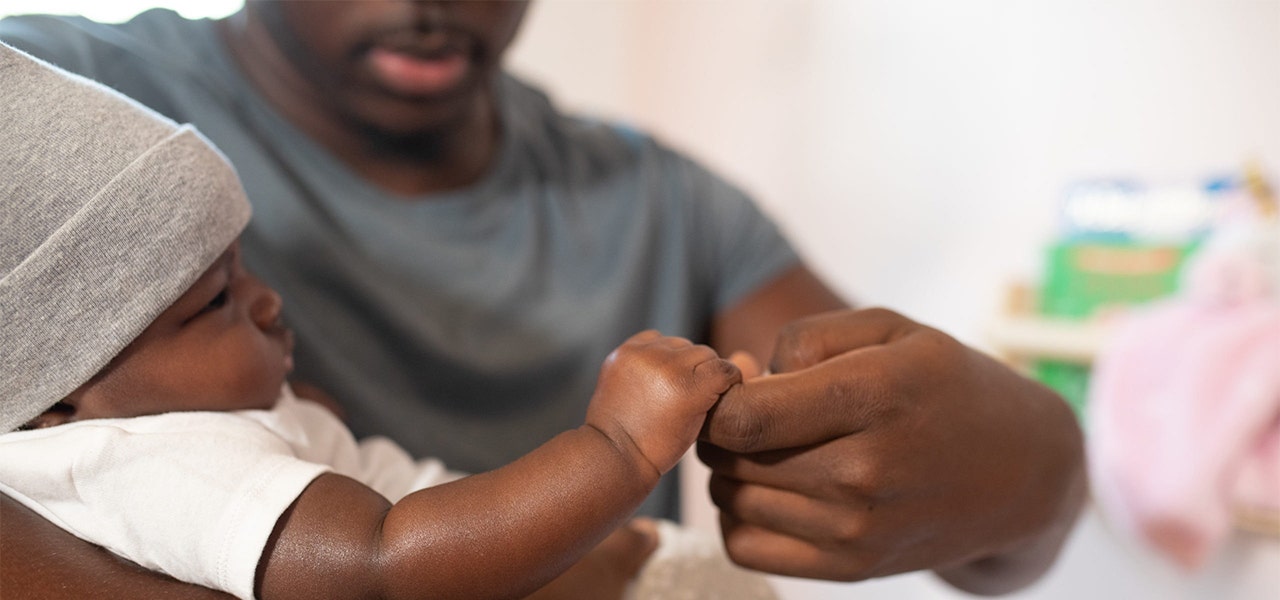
x,y
62,412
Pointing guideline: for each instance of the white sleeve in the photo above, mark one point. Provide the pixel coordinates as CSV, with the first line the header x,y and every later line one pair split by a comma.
x,y
194,495
389,469
316,435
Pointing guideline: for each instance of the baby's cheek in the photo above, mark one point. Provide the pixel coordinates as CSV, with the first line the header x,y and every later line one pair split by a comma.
x,y
258,385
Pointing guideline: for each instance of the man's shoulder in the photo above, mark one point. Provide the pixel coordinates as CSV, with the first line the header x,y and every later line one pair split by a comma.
x,y
89,47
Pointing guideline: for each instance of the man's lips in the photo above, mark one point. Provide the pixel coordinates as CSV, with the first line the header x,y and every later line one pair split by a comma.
x,y
418,73
420,63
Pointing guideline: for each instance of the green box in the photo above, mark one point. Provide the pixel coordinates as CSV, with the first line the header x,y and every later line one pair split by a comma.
x,y
1084,276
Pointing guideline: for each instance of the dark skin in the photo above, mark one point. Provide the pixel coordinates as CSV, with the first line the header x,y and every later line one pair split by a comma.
x,y
449,538
318,64
221,346
985,499
881,446
43,573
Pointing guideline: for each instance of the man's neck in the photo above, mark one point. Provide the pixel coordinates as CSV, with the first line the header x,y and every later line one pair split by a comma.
x,y
449,157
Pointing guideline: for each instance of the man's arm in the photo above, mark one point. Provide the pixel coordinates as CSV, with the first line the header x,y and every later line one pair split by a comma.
x,y
753,324
40,561
882,446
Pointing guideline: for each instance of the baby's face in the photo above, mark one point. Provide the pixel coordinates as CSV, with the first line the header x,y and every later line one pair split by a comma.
x,y
221,346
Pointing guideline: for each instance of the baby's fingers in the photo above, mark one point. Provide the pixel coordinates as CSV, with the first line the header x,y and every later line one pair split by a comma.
x,y
714,376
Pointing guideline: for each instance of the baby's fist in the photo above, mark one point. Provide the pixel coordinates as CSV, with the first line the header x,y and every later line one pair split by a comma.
x,y
654,393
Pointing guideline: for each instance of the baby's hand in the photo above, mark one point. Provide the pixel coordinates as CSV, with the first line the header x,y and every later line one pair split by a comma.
x,y
654,393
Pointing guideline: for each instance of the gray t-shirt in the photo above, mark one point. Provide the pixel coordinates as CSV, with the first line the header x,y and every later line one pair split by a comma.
x,y
468,325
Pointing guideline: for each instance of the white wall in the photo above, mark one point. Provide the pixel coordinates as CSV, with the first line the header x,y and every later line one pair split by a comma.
x,y
116,11
915,150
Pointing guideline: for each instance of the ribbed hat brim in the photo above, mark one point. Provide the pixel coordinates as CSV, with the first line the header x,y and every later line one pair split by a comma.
x,y
108,265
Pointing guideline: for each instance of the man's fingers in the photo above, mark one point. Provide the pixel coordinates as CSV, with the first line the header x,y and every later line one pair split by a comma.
x,y
809,341
762,549
783,532
801,470
779,510
835,398
747,364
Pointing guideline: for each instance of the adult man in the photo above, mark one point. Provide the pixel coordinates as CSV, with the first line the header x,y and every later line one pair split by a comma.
x,y
397,175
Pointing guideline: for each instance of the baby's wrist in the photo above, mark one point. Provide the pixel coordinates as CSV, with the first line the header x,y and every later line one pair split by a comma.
x,y
627,449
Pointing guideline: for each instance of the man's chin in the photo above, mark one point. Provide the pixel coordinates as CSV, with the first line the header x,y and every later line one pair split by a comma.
x,y
419,129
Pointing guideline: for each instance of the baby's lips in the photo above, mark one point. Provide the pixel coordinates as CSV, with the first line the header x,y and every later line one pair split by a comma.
x,y
286,342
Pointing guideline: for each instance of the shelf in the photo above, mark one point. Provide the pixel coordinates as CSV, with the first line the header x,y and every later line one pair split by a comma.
x,y
1019,338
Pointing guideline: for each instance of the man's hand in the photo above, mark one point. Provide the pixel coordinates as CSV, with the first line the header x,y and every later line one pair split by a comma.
x,y
605,572
880,446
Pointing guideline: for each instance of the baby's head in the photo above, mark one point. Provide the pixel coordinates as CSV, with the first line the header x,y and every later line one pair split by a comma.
x,y
121,292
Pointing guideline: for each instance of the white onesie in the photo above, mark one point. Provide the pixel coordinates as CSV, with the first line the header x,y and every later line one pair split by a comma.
x,y
196,494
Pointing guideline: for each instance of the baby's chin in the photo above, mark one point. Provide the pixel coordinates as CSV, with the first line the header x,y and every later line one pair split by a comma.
x,y
266,395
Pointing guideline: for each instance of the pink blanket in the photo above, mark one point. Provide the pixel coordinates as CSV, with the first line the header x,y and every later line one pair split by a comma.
x,y
1184,406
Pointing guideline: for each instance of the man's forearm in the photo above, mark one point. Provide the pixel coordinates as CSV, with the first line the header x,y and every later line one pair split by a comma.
x,y
40,561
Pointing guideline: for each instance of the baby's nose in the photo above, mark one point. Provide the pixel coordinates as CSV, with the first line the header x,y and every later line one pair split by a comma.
x,y
265,309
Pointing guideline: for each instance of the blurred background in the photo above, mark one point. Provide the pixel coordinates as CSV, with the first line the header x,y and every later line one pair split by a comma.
x,y
920,153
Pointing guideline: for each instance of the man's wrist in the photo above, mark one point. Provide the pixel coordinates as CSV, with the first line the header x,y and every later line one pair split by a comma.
x,y
1024,564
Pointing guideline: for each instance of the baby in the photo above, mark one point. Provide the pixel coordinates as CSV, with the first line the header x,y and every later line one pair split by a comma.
x,y
143,401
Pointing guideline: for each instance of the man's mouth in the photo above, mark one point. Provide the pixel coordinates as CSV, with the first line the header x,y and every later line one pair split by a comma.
x,y
423,64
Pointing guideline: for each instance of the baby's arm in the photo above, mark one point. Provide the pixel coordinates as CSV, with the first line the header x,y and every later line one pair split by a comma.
x,y
505,533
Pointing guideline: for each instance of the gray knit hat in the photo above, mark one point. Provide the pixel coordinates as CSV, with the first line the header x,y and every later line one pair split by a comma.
x,y
108,213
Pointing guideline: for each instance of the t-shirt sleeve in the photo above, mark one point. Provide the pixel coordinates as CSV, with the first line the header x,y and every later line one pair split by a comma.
x,y
193,495
151,58
68,42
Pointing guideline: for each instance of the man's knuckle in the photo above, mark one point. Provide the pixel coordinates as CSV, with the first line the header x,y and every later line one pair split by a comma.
x,y
845,390
861,399
879,387
740,431
846,481
848,532
801,343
